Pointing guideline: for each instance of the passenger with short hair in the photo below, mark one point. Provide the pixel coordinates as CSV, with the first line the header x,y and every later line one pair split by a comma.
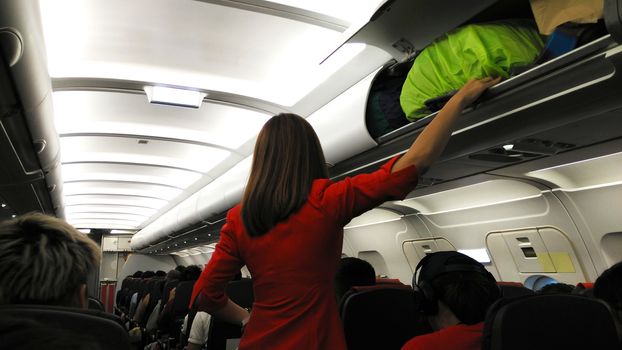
x,y
44,260
556,288
353,272
608,287
455,292
288,228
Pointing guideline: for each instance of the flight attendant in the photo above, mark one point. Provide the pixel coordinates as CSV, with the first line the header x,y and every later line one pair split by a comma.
x,y
288,229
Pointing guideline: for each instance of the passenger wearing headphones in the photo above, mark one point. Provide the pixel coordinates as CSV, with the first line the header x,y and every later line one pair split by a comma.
x,y
454,291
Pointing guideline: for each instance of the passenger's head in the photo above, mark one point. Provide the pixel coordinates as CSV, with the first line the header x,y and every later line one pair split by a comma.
x,y
353,272
138,274
556,288
608,287
44,260
191,273
173,275
288,156
160,273
147,274
454,288
180,268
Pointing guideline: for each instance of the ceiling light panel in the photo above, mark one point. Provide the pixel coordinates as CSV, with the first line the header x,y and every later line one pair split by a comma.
x,y
99,112
121,188
128,150
114,200
129,172
203,46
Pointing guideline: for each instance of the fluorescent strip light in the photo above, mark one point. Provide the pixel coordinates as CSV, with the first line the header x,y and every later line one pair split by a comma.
x,y
174,97
480,255
120,232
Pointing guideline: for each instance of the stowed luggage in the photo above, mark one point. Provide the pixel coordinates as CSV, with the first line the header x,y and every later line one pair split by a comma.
x,y
472,51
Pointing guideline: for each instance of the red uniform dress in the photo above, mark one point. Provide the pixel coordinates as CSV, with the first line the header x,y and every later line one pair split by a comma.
x,y
462,337
293,264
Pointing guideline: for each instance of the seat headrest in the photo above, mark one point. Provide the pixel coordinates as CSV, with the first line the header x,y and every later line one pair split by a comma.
x,y
381,317
91,326
549,321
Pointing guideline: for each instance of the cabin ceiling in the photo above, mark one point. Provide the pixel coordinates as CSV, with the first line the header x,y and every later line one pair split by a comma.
x,y
125,161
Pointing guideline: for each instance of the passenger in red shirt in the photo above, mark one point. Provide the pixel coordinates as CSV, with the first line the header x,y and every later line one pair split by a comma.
x,y
288,229
454,291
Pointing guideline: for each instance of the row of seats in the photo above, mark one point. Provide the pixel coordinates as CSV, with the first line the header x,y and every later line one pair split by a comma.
x,y
385,316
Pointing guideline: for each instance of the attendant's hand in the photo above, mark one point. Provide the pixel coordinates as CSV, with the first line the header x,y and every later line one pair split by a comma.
x,y
473,89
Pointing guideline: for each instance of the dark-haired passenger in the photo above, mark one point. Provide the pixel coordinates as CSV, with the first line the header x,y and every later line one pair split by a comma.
x,y
454,292
608,287
353,272
288,228
44,260
556,288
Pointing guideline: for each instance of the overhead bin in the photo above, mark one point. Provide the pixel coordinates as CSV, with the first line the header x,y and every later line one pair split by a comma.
x,y
28,129
571,101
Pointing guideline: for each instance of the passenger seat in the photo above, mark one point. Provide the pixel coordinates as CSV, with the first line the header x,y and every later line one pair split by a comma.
x,y
84,327
549,321
381,317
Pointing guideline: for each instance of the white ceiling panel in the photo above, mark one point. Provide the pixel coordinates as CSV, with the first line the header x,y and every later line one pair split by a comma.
x,y
353,11
105,224
128,150
98,216
101,208
114,200
189,44
122,113
129,172
121,188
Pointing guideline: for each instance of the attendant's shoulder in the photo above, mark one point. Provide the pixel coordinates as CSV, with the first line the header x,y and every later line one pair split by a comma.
x,y
234,213
318,188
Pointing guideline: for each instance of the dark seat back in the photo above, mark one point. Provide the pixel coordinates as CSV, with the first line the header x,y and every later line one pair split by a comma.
x,y
83,325
182,299
96,304
168,286
241,292
549,321
381,317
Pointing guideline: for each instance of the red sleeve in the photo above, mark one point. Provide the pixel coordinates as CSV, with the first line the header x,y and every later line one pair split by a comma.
x,y
413,344
219,271
353,196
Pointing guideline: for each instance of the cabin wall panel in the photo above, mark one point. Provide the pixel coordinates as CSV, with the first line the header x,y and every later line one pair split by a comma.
x,y
597,212
385,238
467,228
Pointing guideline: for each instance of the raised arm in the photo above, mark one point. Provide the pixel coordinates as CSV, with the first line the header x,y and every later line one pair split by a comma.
x,y
430,143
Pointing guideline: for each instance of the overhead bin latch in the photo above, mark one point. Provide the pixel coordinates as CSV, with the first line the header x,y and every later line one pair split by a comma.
x,y
404,46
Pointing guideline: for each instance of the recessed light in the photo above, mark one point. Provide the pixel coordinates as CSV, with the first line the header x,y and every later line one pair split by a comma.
x,y
13,215
174,97
3,205
508,147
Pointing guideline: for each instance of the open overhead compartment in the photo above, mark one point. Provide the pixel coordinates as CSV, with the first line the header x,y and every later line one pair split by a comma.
x,y
566,103
30,179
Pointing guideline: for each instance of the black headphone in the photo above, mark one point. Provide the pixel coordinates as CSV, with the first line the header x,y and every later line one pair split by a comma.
x,y
432,266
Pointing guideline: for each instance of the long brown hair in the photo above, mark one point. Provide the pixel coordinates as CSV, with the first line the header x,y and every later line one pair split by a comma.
x,y
287,158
